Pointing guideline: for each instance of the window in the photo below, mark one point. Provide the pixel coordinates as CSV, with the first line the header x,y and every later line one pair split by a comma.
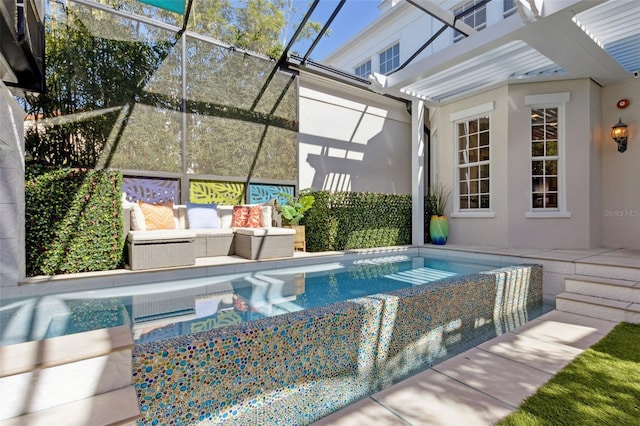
x,y
473,164
363,70
476,18
508,8
547,193
544,158
390,59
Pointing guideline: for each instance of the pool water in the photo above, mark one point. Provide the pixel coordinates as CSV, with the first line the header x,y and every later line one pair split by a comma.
x,y
168,309
276,292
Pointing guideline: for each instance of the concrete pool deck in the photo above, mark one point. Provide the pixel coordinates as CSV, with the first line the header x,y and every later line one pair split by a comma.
x,y
484,384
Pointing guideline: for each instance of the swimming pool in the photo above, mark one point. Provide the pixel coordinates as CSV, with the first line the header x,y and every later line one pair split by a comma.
x,y
288,345
236,299
277,348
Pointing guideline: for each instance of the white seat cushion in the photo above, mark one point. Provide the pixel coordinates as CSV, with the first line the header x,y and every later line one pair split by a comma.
x,y
161,235
261,232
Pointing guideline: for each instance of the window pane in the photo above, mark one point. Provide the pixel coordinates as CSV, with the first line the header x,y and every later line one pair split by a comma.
x,y
552,148
484,154
551,167
484,186
537,133
464,188
536,167
473,155
537,184
484,201
484,123
484,171
474,172
537,116
551,132
551,201
537,149
474,202
552,184
484,139
464,174
537,200
462,129
464,202
474,187
473,126
473,141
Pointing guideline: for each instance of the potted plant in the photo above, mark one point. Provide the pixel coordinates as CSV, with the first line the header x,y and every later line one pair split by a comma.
x,y
293,211
438,227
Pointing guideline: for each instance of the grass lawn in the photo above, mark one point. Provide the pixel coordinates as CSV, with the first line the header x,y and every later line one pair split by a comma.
x,y
600,387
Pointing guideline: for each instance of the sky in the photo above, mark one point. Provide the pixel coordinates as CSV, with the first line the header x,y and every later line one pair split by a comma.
x,y
354,16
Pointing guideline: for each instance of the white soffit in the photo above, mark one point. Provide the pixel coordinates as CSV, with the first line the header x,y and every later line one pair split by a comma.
x,y
615,26
510,61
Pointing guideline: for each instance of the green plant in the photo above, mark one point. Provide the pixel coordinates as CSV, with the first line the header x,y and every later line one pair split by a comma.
x,y
294,209
438,199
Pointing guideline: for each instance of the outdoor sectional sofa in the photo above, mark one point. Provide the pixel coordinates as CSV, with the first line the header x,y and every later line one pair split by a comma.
x,y
211,234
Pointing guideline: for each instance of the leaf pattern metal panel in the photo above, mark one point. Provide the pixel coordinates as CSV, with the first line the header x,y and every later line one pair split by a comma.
x,y
151,190
215,192
259,193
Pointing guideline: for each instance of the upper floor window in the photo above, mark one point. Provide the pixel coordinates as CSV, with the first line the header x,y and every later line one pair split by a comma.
x,y
363,70
476,18
547,193
508,8
390,59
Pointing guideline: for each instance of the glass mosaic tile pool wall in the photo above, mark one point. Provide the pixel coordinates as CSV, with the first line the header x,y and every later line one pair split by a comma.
x,y
299,367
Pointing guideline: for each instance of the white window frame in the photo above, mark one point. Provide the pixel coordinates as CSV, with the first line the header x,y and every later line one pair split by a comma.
x,y
508,12
464,116
363,64
550,100
457,36
384,51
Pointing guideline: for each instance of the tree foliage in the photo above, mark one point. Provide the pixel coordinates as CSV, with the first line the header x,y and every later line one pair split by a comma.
x,y
115,91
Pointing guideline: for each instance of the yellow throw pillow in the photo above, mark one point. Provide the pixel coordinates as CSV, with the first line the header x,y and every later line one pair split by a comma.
x,y
158,216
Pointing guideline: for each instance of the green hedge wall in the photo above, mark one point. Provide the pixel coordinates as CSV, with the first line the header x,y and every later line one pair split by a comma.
x,y
350,220
73,221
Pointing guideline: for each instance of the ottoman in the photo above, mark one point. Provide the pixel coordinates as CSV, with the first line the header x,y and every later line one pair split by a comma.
x,y
264,243
160,248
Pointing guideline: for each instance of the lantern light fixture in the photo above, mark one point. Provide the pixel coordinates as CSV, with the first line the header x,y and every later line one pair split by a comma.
x,y
619,135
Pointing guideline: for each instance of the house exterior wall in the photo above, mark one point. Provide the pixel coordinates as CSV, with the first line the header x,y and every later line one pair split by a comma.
x,y
620,210
404,23
352,140
508,223
581,156
490,231
12,256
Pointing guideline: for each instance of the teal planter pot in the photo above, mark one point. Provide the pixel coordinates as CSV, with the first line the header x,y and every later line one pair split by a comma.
x,y
439,230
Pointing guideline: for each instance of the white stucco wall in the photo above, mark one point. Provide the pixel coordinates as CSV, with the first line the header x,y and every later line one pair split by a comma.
x,y
620,212
489,231
510,224
12,256
582,172
351,139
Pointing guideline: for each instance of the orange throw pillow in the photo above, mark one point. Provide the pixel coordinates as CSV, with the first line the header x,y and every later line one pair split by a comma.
x,y
247,216
158,216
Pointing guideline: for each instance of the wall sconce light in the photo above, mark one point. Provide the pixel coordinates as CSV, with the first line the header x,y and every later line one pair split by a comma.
x,y
619,134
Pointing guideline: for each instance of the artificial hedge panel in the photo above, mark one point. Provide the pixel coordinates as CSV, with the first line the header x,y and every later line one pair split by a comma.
x,y
73,220
350,220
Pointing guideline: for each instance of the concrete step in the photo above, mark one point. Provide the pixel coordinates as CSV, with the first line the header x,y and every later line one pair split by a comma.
x,y
622,290
117,407
598,307
60,371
